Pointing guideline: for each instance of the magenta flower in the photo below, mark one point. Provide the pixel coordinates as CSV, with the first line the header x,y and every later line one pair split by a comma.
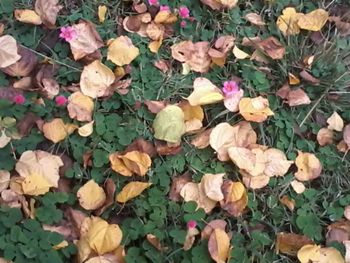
x,y
230,88
153,2
61,100
19,99
164,8
68,33
183,23
191,224
184,12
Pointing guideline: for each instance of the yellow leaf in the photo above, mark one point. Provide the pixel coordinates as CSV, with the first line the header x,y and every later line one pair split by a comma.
x,y
96,79
91,196
293,80
35,184
103,237
335,122
235,197
205,92
240,54
155,45
56,130
309,252
8,51
330,255
84,250
297,186
80,107
309,167
87,129
219,245
131,190
313,21
288,21
102,10
133,162
28,16
121,51
212,186
63,244
165,17
255,109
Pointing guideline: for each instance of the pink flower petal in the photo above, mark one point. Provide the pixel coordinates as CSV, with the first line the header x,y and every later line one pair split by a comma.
x,y
19,99
184,12
60,100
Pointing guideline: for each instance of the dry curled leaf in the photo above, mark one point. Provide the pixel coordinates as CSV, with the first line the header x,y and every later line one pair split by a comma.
x,y
176,186
288,21
293,97
211,184
27,16
101,12
288,202
96,79
204,92
121,51
342,26
201,140
235,197
220,4
24,66
56,130
87,40
313,21
211,226
143,146
335,122
309,253
346,135
87,129
131,190
91,196
219,245
308,77
221,49
80,106
272,47
48,11
154,241
290,243
4,180
8,51
309,166
255,109
338,232
325,136
130,163
255,19
297,186
191,234
239,54
276,162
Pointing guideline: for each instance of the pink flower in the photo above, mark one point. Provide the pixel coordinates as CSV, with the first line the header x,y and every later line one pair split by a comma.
x,y
153,2
230,88
184,12
61,100
191,224
68,33
183,23
164,8
19,99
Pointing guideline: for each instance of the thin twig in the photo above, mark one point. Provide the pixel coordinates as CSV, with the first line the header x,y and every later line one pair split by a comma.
x,y
312,109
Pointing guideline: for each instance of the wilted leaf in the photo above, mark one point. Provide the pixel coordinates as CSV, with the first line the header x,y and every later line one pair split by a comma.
x,y
169,124
255,19
276,163
155,106
211,184
91,196
325,136
96,79
220,4
190,238
56,130
298,187
308,77
255,109
165,148
330,255
338,232
80,107
232,102
313,21
176,186
154,241
121,51
221,49
24,66
87,129
131,190
201,140
272,47
342,26
309,167
219,245
143,146
4,139
205,92
8,51
165,17
235,197
335,122
4,180
102,10
309,252
293,79
346,135
290,203
254,182
293,97
290,243
211,226
288,21
48,11
130,163
28,16
87,40
240,54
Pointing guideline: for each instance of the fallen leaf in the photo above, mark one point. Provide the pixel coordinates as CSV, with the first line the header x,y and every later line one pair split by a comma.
x,y
338,232
8,51
130,163
240,54
255,109
290,243
155,106
121,51
4,139
143,146
330,255
276,163
347,212
163,65
80,106
335,122
343,27
232,102
48,11
220,4
347,251
201,140
221,49
91,196
309,167
211,226
27,16
255,19
235,197
290,203
298,187
211,184
155,242
102,10
204,92
103,237
131,190
169,124
313,21
4,180
96,79
272,47
292,79
24,66
325,136
165,17
293,97
309,252
288,21
164,148
309,78
176,186
87,129
2,28
219,245
56,130
254,182
191,234
346,135
87,40
194,116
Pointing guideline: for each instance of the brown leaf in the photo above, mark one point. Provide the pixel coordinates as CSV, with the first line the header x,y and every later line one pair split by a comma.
x,y
290,203
163,65
235,198
293,97
335,122
342,26
8,51
219,245
155,242
164,148
139,7
109,188
67,164
155,106
45,82
176,186
255,19
309,78
76,218
338,232
24,66
211,226
309,166
346,135
87,41
80,107
221,49
325,136
142,145
290,243
272,47
201,140
25,125
48,11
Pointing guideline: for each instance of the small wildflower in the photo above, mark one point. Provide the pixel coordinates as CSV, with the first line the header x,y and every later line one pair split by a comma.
x,y
184,12
68,33
191,224
19,99
164,8
61,100
230,88
183,23
153,2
